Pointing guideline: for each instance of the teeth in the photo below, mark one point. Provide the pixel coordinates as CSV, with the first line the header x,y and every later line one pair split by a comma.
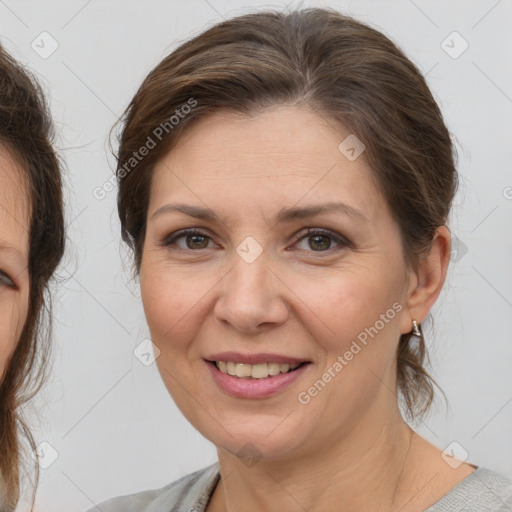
x,y
231,368
259,371
274,368
243,370
254,371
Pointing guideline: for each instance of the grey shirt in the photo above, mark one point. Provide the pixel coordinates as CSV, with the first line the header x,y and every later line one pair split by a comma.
x,y
482,491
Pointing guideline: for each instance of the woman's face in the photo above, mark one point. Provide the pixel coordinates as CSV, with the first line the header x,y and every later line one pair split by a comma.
x,y
14,246
255,287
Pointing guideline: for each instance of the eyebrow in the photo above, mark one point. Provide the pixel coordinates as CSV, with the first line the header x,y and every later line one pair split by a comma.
x,y
284,215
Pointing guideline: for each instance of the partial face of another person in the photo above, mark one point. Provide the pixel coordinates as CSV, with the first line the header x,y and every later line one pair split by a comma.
x,y
14,249
265,285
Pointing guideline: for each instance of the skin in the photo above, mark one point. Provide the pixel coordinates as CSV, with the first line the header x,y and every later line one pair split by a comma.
x,y
309,300
14,248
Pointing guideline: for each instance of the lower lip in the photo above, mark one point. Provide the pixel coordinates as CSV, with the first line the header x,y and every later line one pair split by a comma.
x,y
254,388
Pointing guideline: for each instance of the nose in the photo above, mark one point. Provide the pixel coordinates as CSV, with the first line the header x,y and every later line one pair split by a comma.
x,y
252,297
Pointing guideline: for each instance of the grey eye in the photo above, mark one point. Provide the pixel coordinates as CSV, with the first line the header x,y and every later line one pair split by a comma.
x,y
5,280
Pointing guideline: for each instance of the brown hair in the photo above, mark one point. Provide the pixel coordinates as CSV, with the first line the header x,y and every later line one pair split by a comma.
x,y
347,72
26,132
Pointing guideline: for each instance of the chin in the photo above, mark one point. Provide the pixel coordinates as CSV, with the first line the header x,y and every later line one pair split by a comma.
x,y
265,443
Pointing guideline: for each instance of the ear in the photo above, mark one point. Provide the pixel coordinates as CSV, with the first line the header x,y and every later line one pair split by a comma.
x,y
425,285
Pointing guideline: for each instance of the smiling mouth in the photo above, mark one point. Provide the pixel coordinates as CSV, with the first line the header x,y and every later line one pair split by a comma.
x,y
255,371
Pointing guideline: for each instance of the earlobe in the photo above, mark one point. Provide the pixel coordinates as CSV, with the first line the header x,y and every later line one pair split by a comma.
x,y
430,278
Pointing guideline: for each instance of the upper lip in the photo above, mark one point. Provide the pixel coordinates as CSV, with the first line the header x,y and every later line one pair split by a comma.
x,y
237,357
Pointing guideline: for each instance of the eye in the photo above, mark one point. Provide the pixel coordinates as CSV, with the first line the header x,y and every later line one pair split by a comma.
x,y
194,239
320,239
6,281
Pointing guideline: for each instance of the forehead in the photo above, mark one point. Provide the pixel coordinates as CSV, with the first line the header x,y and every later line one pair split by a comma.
x,y
14,204
280,155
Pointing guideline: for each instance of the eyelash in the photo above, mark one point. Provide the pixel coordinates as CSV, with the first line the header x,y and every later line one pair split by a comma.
x,y
171,239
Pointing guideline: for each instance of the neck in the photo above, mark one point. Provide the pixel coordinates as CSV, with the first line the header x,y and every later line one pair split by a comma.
x,y
362,471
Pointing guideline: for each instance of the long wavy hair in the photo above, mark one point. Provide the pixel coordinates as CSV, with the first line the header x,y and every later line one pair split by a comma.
x,y
26,133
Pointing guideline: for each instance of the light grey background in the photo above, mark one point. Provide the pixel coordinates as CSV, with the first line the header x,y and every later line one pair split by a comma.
x,y
108,417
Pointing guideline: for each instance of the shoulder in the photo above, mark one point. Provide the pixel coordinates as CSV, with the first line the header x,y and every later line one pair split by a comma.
x,y
484,489
190,492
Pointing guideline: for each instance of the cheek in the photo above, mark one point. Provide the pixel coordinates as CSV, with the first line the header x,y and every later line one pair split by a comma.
x,y
355,321
371,331
348,302
171,303
13,315
361,309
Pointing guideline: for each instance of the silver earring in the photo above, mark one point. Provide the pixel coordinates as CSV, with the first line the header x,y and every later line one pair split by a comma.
x,y
415,329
